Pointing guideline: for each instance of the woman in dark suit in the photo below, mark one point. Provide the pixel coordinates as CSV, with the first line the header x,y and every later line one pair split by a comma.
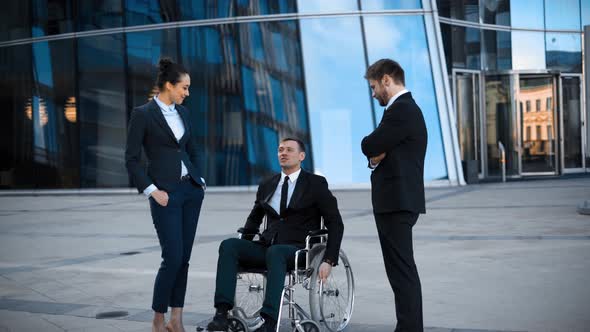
x,y
172,182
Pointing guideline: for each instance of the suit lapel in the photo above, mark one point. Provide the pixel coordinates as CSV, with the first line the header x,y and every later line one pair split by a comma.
x,y
271,187
300,186
159,117
184,118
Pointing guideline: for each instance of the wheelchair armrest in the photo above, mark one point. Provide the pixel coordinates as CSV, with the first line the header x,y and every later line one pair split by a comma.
x,y
318,232
247,231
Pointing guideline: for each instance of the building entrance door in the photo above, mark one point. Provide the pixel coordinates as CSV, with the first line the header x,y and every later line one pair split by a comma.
x,y
468,105
572,124
536,104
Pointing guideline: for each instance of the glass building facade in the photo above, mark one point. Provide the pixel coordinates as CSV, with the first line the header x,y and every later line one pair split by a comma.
x,y
72,72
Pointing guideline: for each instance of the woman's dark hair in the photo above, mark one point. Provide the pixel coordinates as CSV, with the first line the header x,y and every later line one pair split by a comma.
x,y
168,71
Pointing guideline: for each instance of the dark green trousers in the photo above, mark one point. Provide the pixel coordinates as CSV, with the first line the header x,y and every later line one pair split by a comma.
x,y
277,259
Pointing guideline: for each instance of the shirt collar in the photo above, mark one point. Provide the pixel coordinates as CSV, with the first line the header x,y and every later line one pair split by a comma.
x,y
165,108
292,177
395,97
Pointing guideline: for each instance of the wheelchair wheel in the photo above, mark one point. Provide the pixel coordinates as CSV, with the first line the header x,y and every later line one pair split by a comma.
x,y
307,326
236,324
249,294
331,303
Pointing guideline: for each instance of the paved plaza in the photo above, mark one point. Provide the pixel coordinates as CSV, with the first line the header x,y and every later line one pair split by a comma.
x,y
492,257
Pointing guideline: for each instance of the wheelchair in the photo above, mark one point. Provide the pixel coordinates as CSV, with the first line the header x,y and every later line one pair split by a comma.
x,y
330,303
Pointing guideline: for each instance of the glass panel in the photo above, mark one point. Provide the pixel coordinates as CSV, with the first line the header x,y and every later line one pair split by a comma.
x,y
538,143
465,103
215,106
265,7
272,80
205,9
585,13
497,53
572,122
52,17
17,165
466,10
390,4
102,111
462,47
15,20
563,14
140,12
527,14
564,52
338,123
406,43
500,125
528,50
314,6
496,11
54,115
93,15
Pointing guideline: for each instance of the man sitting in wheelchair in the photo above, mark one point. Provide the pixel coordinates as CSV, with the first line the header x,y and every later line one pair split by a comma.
x,y
294,202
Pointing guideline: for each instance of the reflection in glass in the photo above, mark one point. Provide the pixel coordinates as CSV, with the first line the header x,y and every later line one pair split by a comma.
x,y
338,97
572,122
93,15
585,8
497,53
405,42
55,151
15,20
102,111
564,52
390,4
324,6
538,142
52,17
17,168
496,11
527,14
562,14
528,50
203,9
466,10
140,12
462,46
467,116
500,125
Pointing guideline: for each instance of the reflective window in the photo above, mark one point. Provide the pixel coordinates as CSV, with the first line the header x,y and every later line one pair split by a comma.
x,y
265,7
215,103
496,11
54,115
102,111
338,97
314,6
500,125
527,14
204,9
564,52
406,43
497,50
563,14
466,10
390,4
93,15
464,46
528,50
15,20
585,13
52,17
17,166
140,12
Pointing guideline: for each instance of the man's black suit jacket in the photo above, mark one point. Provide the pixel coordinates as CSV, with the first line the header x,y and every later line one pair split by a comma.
x,y
148,128
398,181
310,201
